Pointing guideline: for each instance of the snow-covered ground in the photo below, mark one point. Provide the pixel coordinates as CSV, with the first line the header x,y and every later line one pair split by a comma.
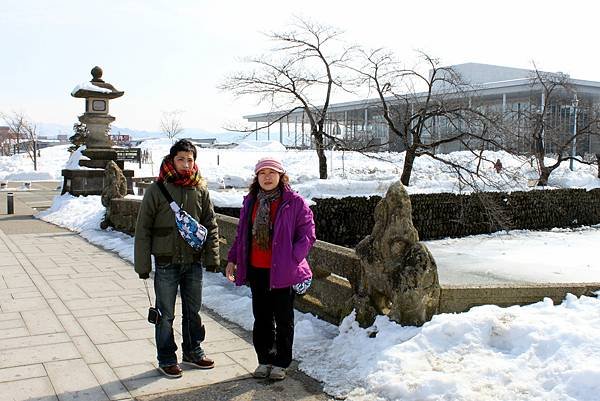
x,y
536,352
350,173
520,256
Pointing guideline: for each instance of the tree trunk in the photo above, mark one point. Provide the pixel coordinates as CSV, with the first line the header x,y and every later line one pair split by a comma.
x,y
35,155
544,171
544,175
409,160
598,162
320,154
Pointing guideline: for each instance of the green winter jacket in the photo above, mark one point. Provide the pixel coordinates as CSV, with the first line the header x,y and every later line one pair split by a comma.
x,y
156,232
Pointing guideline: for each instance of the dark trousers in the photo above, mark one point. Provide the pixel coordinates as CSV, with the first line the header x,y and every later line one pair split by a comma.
x,y
273,310
167,279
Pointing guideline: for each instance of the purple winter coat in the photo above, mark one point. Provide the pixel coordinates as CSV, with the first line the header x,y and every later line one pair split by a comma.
x,y
293,236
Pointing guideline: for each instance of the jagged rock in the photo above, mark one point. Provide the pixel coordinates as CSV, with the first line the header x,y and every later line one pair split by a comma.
x,y
398,273
115,187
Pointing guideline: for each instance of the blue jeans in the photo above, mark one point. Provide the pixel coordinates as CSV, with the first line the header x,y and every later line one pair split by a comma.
x,y
167,278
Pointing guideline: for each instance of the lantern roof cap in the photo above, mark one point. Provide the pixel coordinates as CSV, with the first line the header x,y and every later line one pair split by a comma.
x,y
96,87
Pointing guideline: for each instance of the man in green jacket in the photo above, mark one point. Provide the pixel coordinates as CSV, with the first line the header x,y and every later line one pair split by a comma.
x,y
177,264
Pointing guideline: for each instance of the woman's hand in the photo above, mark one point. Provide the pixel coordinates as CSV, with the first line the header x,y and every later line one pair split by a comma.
x,y
230,271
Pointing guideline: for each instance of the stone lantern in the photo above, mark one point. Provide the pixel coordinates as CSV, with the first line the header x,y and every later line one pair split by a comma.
x,y
97,93
89,181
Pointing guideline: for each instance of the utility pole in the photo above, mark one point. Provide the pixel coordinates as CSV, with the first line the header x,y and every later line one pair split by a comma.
x,y
574,141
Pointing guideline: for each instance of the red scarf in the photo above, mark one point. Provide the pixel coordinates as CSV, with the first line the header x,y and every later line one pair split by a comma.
x,y
190,178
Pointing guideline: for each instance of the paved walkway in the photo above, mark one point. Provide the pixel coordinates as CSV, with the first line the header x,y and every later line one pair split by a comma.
x,y
73,327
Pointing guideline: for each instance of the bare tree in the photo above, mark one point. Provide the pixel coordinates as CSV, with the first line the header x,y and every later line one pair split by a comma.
x,y
170,123
444,114
23,130
30,130
300,73
552,122
15,123
6,137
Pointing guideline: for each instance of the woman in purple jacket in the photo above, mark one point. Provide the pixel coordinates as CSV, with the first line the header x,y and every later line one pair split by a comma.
x,y
275,232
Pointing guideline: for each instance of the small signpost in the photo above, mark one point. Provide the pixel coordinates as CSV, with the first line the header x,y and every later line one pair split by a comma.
x,y
130,155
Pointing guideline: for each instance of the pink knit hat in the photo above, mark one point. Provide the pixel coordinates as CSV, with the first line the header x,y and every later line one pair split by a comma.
x,y
269,162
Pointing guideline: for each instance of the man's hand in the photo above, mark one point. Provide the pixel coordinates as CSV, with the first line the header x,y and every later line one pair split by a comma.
x,y
144,276
212,268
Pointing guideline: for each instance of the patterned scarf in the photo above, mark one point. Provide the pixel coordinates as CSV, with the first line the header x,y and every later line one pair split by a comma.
x,y
190,178
261,229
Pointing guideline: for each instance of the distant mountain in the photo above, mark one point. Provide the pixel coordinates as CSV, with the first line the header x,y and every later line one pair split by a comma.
x,y
135,134
51,130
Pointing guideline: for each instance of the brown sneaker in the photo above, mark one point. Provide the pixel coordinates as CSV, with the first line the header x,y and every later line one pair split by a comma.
x,y
173,371
201,363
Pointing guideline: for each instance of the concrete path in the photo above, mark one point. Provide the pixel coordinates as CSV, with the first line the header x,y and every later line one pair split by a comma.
x,y
73,327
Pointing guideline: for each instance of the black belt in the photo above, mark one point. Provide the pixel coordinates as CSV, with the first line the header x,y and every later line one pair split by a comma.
x,y
169,259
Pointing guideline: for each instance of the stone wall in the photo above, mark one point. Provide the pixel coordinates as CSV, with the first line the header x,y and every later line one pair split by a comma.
x,y
348,220
124,214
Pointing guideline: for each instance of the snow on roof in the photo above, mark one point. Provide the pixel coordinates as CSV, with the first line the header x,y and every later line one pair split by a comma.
x,y
88,86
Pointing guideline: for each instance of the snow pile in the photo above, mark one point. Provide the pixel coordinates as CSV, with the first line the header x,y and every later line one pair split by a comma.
x,y
19,167
535,352
260,146
73,162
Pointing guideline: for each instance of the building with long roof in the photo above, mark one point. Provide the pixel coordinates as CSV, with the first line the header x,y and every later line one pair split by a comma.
x,y
512,91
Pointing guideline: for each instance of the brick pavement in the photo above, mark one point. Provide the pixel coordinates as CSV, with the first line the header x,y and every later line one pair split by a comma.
x,y
73,327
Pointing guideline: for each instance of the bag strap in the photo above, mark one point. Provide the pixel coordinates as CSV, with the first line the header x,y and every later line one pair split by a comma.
x,y
147,292
164,191
174,207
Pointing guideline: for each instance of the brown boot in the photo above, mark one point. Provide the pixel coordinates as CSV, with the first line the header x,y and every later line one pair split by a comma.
x,y
201,363
172,371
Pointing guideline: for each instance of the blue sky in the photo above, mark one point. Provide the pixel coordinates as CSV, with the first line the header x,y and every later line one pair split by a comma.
x,y
171,55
